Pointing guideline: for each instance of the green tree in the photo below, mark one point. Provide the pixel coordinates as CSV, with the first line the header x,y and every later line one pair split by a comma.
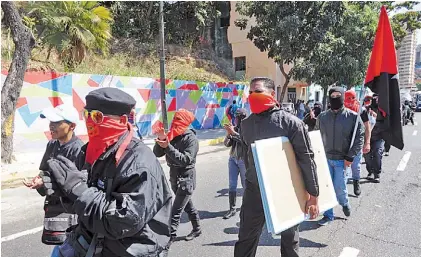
x,y
289,31
72,28
185,21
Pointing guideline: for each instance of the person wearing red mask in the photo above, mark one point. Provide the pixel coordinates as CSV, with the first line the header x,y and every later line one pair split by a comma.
x,y
352,103
267,121
180,147
124,205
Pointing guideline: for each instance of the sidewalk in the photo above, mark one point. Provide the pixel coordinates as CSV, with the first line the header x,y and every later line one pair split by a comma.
x,y
27,163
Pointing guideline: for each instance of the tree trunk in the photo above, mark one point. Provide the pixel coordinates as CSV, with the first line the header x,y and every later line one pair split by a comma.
x,y
24,42
287,80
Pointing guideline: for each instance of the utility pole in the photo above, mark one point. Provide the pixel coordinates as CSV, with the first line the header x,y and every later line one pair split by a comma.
x,y
162,65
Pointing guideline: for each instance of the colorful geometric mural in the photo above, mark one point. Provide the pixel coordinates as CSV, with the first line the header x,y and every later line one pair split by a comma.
x,y
207,100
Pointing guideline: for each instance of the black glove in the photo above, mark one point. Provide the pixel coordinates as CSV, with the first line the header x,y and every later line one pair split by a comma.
x,y
50,186
68,178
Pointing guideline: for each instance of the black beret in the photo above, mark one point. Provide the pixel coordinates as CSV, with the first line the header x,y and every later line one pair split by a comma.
x,y
110,100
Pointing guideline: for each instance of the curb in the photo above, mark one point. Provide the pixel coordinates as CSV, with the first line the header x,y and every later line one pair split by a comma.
x,y
210,142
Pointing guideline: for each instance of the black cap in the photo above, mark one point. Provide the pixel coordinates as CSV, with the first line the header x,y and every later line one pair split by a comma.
x,y
110,100
336,89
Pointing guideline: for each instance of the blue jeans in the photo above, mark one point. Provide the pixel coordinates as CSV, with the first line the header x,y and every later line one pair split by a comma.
x,y
55,252
339,179
236,167
356,167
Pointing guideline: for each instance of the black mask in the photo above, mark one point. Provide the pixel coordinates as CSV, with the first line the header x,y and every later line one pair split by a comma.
x,y
317,110
338,102
374,104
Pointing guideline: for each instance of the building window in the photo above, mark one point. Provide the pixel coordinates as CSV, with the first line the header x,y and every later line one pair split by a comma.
x,y
317,98
224,21
240,63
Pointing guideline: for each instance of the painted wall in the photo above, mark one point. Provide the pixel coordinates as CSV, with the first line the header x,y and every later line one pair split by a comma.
x,y
207,100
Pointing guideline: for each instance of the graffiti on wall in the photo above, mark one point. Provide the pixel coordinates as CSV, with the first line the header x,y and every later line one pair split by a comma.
x,y
207,100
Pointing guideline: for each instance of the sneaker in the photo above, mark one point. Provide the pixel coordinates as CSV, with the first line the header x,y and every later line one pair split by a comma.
x,y
369,176
386,153
193,235
357,187
230,213
376,178
324,221
347,210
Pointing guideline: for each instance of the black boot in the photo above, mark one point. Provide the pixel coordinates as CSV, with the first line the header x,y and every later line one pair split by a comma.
x,y
357,188
197,231
233,210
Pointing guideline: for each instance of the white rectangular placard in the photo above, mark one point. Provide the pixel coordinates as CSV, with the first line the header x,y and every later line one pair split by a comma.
x,y
281,183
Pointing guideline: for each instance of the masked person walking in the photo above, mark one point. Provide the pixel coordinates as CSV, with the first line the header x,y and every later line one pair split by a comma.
x,y
337,127
236,164
58,212
351,103
268,121
311,117
373,158
124,205
180,148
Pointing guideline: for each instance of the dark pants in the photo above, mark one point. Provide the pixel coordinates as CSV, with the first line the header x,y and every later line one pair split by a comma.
x,y
182,202
387,147
373,159
252,220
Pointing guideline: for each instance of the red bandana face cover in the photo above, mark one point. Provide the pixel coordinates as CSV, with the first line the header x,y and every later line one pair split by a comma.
x,y
101,136
260,102
350,101
181,122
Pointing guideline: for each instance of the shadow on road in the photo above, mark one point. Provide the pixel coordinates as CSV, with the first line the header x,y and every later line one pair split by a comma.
x,y
204,215
225,191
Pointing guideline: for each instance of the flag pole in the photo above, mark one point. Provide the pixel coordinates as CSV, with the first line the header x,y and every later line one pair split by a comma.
x,y
361,102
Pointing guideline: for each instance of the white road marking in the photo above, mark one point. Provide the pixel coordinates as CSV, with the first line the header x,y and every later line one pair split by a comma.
x,y
23,233
416,123
404,161
414,133
349,252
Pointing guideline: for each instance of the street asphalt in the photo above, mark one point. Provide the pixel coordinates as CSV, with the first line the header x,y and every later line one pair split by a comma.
x,y
385,219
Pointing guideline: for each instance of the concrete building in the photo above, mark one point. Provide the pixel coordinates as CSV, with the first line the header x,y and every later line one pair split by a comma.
x,y
406,62
418,55
250,62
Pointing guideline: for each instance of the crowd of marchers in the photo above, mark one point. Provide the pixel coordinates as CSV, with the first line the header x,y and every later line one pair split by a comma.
x,y
110,197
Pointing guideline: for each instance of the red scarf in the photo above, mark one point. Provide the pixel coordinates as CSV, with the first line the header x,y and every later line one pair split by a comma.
x,y
180,123
101,136
260,102
351,102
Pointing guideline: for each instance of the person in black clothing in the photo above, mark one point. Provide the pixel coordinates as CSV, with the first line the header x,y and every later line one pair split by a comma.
x,y
58,213
180,148
124,205
373,158
268,121
236,163
311,117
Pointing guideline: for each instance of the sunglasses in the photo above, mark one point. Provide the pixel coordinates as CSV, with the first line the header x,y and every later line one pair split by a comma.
x,y
96,116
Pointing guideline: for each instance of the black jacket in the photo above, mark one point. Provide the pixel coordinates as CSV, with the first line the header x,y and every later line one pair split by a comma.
x,y
135,219
58,210
277,123
238,148
337,130
180,154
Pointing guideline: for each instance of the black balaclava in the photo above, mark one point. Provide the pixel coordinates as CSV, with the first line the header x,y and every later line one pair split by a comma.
x,y
374,104
317,108
336,103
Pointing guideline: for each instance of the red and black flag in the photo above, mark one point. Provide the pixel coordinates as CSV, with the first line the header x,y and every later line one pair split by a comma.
x,y
382,79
